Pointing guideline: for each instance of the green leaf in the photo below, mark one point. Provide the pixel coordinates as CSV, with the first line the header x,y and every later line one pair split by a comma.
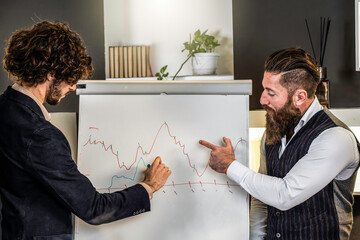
x,y
197,34
162,70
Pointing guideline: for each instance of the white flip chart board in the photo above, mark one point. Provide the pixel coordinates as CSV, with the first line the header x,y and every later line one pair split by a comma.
x,y
123,126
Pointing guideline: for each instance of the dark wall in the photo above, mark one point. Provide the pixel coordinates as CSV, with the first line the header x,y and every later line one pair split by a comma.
x,y
84,16
262,27
355,233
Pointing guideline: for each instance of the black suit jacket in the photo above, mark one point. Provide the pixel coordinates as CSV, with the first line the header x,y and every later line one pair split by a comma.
x,y
40,185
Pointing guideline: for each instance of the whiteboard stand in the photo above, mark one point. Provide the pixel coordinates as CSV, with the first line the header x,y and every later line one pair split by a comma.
x,y
124,125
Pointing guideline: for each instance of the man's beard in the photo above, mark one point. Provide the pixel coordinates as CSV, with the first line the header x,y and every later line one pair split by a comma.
x,y
281,122
53,95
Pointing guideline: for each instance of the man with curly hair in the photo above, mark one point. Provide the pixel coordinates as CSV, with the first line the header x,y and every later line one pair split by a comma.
x,y
40,185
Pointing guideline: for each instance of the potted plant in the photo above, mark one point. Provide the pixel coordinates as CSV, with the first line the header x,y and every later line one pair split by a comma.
x,y
201,50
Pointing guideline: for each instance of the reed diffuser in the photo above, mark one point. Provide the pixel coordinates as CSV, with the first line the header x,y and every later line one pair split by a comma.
x,y
323,89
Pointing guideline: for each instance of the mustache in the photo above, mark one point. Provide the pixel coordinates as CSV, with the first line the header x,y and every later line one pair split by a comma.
x,y
267,108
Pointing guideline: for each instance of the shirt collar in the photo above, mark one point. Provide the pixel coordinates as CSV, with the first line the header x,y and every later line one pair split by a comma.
x,y
23,90
309,113
314,107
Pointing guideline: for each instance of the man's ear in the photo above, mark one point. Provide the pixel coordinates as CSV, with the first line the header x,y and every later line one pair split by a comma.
x,y
299,97
49,76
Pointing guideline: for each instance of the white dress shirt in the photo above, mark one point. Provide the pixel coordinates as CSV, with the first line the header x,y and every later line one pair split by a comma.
x,y
332,155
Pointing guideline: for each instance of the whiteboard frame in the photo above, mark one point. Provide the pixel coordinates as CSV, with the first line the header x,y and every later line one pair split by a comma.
x,y
213,87
187,87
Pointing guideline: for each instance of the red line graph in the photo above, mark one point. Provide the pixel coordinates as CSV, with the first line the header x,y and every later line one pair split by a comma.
x,y
140,151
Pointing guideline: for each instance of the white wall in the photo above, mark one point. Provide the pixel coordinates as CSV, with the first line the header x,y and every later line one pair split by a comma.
x,y
165,25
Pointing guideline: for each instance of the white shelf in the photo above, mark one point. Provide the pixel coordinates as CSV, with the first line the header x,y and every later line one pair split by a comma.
x,y
187,77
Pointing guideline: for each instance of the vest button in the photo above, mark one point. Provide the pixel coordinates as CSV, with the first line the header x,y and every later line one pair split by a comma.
x,y
278,235
277,213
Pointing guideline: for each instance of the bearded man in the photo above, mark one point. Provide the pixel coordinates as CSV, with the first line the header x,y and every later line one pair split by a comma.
x,y
309,159
40,185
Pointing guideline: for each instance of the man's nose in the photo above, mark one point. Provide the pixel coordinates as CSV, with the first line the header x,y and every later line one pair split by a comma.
x,y
263,99
73,87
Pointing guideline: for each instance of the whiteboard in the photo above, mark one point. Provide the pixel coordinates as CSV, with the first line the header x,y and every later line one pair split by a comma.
x,y
120,134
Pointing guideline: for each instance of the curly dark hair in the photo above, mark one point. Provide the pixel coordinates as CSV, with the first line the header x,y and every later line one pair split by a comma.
x,y
47,47
298,69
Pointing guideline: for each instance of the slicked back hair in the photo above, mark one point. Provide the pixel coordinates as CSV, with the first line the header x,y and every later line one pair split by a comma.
x,y
298,69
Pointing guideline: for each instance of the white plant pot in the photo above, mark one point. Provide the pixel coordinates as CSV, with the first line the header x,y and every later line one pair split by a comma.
x,y
204,63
